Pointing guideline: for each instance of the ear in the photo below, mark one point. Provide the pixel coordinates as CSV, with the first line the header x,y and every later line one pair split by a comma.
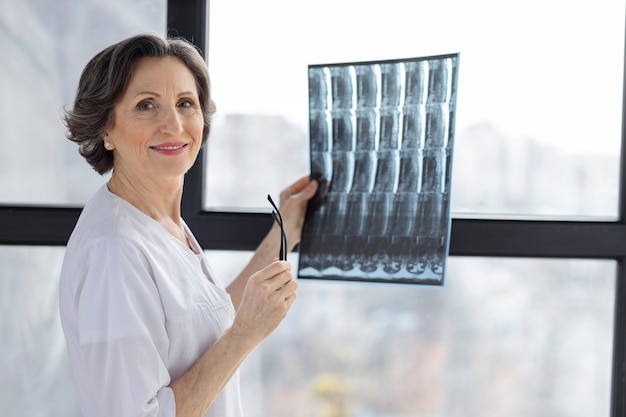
x,y
108,144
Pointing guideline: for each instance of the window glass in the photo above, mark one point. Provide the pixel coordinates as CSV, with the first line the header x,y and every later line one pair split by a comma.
x,y
45,46
505,336
538,115
35,374
511,337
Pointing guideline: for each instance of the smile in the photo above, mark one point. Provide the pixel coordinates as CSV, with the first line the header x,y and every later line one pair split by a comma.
x,y
169,149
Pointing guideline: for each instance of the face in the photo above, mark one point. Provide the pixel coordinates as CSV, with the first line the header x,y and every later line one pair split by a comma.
x,y
158,123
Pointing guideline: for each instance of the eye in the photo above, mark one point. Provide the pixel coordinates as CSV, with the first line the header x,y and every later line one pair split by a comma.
x,y
145,105
187,104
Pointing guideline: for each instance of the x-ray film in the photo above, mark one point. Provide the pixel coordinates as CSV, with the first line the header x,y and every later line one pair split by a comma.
x,y
381,140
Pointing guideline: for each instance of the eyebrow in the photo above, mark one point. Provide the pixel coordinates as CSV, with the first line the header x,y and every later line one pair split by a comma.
x,y
152,93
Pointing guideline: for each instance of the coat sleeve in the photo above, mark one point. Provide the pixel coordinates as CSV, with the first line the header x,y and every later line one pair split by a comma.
x,y
122,338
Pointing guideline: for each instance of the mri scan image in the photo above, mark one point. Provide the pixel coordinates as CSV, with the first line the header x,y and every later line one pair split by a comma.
x,y
381,140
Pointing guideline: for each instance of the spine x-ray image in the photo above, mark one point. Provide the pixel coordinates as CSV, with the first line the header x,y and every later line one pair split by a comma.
x,y
381,137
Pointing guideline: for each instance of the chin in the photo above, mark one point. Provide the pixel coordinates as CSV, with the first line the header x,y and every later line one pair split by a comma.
x,y
175,171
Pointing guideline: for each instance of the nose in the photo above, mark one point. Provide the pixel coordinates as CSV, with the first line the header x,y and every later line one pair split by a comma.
x,y
170,121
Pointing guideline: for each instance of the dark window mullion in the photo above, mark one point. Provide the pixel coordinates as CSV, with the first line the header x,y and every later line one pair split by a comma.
x,y
188,19
48,226
618,386
469,237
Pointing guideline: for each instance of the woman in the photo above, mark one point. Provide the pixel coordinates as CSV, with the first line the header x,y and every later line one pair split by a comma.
x,y
149,330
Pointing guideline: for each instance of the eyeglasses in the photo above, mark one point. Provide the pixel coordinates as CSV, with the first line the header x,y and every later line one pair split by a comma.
x,y
282,255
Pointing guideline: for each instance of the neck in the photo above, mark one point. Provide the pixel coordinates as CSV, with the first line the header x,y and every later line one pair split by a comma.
x,y
160,199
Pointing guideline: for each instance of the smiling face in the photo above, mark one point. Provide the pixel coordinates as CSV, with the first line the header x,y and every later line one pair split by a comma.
x,y
157,123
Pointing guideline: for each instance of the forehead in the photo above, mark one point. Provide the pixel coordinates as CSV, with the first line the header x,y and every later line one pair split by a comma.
x,y
150,73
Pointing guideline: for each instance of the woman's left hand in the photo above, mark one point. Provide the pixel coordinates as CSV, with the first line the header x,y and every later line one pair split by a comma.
x,y
292,205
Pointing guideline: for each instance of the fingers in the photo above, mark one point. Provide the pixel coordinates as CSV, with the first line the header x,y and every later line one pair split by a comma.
x,y
297,186
290,300
268,296
310,190
277,267
287,292
276,275
301,189
282,282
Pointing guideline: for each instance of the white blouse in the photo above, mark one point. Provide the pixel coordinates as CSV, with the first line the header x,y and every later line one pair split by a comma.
x,y
138,308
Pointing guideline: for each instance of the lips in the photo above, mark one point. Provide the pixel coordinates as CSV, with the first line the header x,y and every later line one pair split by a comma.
x,y
169,148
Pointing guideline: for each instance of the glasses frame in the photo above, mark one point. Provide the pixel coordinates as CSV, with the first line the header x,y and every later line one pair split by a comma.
x,y
282,254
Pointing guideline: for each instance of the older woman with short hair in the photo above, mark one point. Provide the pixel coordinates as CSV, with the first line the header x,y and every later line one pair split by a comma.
x,y
149,330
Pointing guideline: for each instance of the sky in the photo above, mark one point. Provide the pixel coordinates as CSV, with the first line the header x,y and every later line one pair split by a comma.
x,y
551,70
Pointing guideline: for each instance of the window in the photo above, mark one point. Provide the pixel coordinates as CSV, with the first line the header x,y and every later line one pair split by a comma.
x,y
535,184
47,44
504,337
558,258
34,367
538,113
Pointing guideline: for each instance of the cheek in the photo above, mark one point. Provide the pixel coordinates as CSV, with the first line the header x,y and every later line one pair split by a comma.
x,y
198,128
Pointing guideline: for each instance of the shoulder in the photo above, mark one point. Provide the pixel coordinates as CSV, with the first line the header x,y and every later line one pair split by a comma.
x,y
107,239
111,222
104,215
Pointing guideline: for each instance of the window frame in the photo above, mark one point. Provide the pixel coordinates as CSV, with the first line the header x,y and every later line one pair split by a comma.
x,y
32,225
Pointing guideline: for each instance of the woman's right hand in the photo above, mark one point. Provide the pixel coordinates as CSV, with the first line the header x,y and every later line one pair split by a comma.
x,y
267,297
